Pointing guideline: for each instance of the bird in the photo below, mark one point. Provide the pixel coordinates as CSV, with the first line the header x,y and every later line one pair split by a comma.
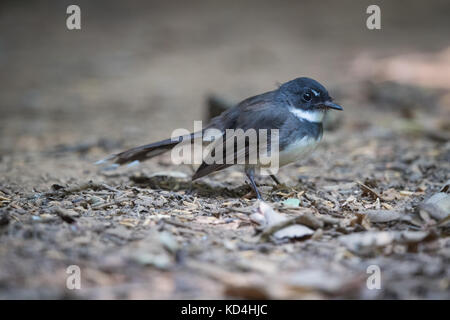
x,y
295,110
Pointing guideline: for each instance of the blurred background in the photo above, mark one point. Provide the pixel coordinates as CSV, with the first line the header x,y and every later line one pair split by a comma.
x,y
138,69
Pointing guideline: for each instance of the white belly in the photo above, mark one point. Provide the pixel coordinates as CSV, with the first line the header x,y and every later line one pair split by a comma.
x,y
298,150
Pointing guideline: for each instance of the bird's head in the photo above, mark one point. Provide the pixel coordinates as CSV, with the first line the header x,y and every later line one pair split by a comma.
x,y
307,98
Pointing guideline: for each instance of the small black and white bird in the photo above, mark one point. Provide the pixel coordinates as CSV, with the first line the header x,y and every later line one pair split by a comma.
x,y
297,109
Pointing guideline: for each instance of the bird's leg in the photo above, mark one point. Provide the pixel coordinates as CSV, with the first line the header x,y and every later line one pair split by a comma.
x,y
275,179
250,172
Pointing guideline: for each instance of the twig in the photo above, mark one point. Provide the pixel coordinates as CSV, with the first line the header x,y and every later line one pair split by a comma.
x,y
369,190
104,185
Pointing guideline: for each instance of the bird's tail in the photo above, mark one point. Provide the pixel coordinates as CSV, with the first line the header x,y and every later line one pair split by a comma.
x,y
145,152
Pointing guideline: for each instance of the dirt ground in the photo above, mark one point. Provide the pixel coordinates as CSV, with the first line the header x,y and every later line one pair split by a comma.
x,y
375,193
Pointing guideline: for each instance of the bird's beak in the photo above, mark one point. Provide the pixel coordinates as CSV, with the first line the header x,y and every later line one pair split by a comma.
x,y
332,105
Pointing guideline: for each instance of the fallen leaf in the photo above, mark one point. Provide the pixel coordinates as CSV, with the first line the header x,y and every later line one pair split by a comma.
x,y
279,226
271,216
437,206
294,231
258,218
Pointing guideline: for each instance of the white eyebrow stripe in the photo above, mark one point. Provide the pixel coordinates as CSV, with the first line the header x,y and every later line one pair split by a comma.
x,y
315,92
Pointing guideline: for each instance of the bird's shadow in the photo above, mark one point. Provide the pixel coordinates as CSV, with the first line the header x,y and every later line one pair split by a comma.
x,y
198,188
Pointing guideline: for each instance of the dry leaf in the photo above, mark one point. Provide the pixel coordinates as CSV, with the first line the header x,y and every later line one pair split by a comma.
x,y
279,226
294,231
437,206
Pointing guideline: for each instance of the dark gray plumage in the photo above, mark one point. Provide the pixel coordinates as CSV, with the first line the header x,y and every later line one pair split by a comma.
x,y
296,109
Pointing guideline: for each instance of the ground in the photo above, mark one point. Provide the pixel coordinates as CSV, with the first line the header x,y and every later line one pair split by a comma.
x,y
132,76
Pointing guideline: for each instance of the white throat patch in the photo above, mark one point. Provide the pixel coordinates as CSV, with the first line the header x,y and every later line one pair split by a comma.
x,y
312,116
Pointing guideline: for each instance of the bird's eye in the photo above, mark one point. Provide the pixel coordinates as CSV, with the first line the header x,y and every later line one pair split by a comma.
x,y
307,96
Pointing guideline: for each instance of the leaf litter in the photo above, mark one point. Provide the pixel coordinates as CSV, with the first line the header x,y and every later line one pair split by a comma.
x,y
376,197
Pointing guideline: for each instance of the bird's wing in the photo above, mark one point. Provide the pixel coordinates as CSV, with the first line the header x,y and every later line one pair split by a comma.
x,y
254,113
229,119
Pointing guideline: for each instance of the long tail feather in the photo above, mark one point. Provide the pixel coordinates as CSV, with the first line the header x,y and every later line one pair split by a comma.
x,y
138,154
